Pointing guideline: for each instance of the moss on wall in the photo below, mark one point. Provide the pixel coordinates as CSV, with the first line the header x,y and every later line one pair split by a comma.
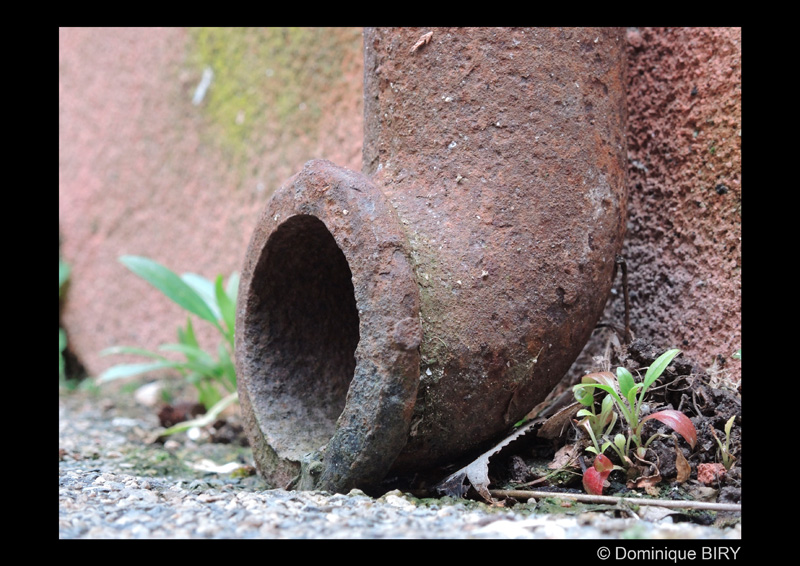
x,y
269,83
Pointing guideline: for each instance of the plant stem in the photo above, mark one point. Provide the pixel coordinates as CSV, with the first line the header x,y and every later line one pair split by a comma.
x,y
205,419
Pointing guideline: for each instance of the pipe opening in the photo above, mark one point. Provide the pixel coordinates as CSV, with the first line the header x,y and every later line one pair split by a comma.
x,y
304,327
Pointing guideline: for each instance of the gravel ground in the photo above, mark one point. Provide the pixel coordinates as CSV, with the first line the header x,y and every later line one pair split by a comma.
x,y
114,482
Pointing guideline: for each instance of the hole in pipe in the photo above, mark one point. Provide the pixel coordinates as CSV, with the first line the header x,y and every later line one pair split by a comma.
x,y
305,313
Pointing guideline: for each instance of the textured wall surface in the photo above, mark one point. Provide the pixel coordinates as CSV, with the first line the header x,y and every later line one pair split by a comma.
x,y
143,170
683,246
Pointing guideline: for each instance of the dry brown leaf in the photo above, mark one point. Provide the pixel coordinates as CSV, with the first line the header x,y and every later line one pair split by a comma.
x,y
477,473
650,482
565,456
684,470
558,424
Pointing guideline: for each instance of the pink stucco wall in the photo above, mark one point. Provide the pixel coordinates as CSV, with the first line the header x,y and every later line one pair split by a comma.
x,y
144,171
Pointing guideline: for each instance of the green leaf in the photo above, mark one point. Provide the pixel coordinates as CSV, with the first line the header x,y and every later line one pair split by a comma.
x,y
187,336
729,426
115,350
192,353
129,370
607,405
583,394
62,345
228,368
603,380
606,388
208,394
632,400
611,389
171,285
611,423
194,378
232,288
658,367
226,306
625,380
197,360
205,289
63,274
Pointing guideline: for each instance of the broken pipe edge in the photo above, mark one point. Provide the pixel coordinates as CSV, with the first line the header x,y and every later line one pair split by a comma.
x,y
327,333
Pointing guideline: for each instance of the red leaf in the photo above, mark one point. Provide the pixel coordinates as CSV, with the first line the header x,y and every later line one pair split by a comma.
x,y
678,422
593,482
603,464
595,477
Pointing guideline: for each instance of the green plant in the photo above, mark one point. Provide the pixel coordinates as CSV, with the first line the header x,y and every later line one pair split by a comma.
x,y
598,424
214,378
725,449
63,276
628,397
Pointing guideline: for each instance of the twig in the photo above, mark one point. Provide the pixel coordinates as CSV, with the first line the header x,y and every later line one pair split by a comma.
x,y
586,498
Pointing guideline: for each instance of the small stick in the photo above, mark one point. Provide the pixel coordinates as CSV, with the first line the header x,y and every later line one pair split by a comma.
x,y
586,498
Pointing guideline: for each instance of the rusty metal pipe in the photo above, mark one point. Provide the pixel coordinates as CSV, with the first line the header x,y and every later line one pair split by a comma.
x,y
407,316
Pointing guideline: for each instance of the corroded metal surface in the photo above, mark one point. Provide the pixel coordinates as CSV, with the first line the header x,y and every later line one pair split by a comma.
x,y
435,301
